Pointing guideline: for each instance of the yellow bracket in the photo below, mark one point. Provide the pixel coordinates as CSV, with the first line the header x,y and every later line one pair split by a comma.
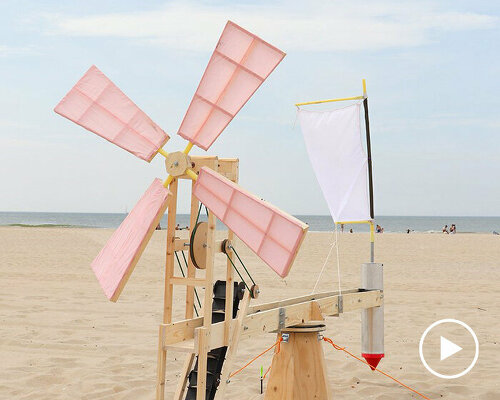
x,y
163,152
191,174
168,181
188,148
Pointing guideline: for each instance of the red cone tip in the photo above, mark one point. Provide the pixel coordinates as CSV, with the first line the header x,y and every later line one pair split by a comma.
x,y
372,359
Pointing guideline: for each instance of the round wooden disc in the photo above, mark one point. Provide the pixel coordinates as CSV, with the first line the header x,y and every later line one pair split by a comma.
x,y
177,163
198,245
306,327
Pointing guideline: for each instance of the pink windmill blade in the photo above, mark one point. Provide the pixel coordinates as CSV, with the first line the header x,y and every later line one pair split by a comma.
x,y
240,63
99,106
116,261
272,234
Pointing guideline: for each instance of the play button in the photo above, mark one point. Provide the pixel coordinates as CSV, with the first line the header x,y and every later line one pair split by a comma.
x,y
448,348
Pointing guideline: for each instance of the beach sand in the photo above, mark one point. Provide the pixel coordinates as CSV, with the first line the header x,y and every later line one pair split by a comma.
x,y
61,339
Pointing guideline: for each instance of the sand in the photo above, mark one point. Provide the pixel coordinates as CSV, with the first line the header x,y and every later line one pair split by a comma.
x,y
61,339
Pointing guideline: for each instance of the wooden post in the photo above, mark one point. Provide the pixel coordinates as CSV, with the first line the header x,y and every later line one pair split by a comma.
x,y
201,383
191,272
228,317
298,370
168,294
181,384
233,346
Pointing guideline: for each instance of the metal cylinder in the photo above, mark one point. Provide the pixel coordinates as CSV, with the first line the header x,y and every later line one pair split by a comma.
x,y
372,319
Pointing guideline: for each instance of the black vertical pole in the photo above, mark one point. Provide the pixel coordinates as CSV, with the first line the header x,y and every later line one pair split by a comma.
x,y
369,152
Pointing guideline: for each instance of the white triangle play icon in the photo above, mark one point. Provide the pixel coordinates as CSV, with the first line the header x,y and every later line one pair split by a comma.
x,y
448,348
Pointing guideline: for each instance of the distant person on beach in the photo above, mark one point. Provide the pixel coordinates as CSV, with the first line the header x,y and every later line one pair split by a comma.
x,y
379,229
177,227
445,229
453,229
158,227
342,228
408,230
351,231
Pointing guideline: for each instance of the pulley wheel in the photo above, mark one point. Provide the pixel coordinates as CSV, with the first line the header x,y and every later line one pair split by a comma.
x,y
198,245
254,291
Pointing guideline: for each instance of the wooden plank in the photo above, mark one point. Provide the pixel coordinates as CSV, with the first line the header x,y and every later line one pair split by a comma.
x,y
169,263
228,310
203,334
186,346
184,375
178,280
294,300
168,293
228,167
181,330
233,345
181,244
160,379
209,271
191,272
268,321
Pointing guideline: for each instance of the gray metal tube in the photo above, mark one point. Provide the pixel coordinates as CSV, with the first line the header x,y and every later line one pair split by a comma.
x,y
372,319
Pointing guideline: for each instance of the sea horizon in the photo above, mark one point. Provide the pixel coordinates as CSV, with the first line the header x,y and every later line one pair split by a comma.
x,y
321,223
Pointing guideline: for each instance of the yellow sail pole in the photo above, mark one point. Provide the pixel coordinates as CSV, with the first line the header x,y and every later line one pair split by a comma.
x,y
330,100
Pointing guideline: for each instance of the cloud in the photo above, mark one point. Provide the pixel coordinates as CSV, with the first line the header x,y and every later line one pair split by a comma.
x,y
10,51
311,26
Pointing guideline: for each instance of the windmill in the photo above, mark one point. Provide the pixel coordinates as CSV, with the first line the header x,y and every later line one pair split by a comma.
x,y
240,63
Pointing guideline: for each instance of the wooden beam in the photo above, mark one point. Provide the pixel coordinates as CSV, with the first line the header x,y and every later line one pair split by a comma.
x,y
228,167
181,383
177,280
267,319
201,382
168,291
232,347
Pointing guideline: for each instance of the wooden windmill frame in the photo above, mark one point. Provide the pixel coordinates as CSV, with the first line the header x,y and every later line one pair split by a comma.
x,y
197,336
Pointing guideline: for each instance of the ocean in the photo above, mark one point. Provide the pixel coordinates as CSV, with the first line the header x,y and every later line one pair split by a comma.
x,y
322,223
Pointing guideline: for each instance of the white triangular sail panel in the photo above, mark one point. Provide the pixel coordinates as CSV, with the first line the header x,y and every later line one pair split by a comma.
x,y
101,107
116,261
334,146
239,64
272,234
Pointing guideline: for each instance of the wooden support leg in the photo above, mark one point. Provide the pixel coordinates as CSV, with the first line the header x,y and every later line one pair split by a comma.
x,y
162,361
181,384
233,346
168,294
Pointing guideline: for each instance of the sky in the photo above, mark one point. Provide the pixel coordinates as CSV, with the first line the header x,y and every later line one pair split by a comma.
x,y
432,78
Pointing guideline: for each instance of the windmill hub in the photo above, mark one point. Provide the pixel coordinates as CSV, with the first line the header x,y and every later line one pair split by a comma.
x,y
177,163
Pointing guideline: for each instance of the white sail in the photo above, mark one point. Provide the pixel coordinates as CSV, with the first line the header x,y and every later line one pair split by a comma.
x,y
333,141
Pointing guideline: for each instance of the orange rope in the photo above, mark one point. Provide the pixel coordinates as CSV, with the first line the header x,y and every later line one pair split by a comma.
x,y
336,347
269,369
260,355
